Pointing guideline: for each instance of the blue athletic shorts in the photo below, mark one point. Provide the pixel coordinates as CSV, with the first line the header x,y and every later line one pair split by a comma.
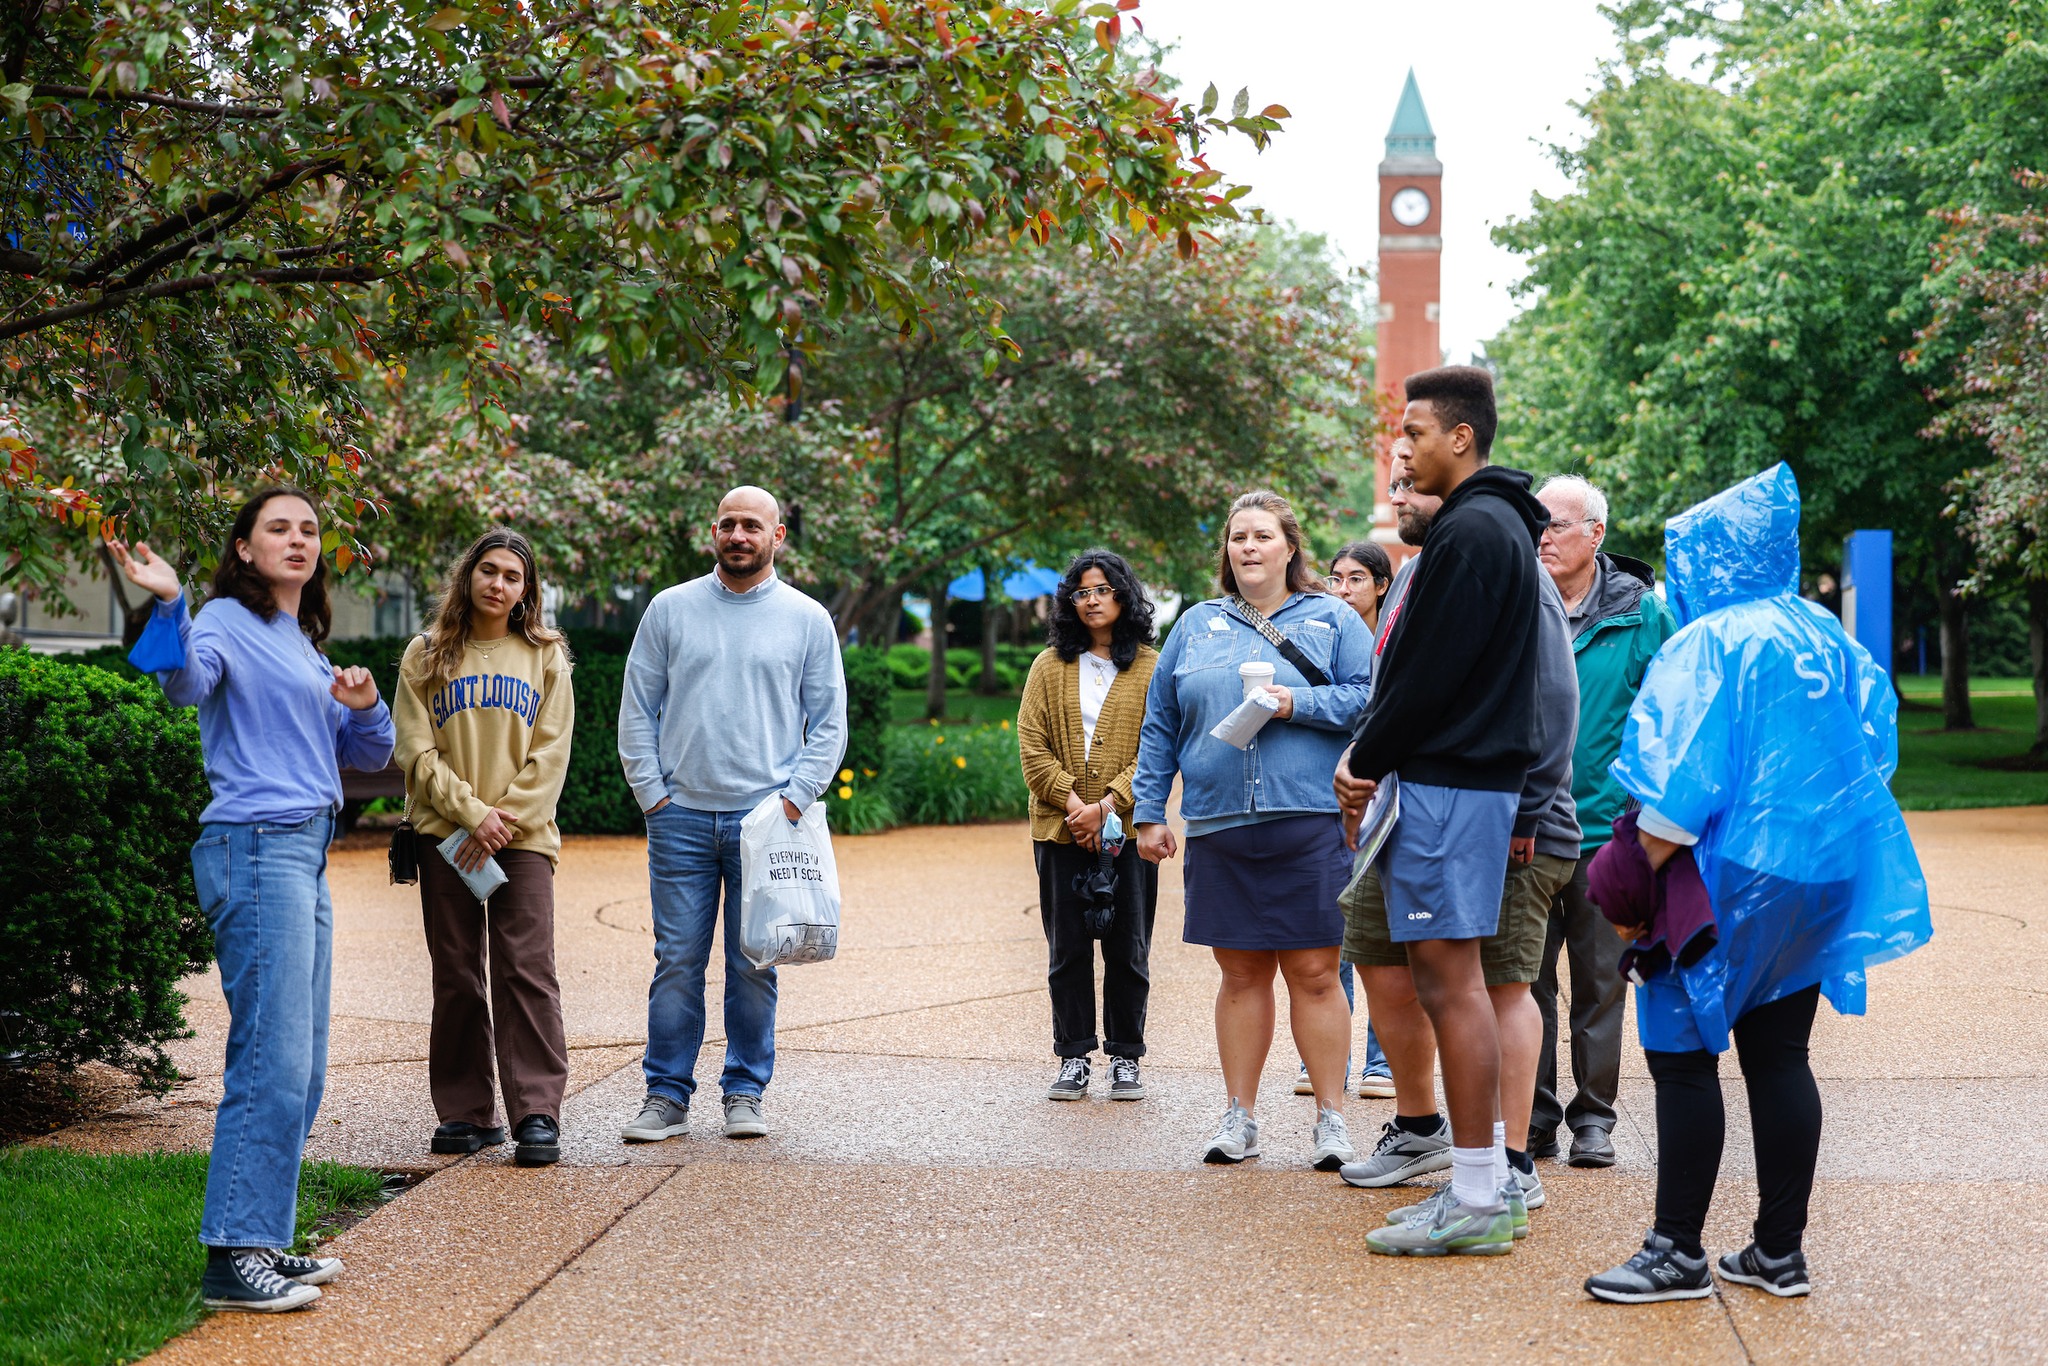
x,y
1445,861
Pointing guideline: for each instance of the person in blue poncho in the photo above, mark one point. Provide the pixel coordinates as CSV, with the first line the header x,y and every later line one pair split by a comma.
x,y
1759,750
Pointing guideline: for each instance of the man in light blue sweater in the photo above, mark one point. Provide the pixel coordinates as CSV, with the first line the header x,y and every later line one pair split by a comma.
x,y
734,693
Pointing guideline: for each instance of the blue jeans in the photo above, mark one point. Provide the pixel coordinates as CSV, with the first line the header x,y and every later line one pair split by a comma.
x,y
264,888
1375,1056
690,856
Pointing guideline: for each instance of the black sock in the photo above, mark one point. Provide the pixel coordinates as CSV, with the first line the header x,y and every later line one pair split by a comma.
x,y
1423,1127
1518,1158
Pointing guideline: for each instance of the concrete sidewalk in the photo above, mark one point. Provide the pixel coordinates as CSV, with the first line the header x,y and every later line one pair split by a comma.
x,y
919,1199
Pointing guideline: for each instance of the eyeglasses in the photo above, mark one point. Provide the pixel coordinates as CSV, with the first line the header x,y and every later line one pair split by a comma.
x,y
1400,486
1340,582
1101,590
1560,527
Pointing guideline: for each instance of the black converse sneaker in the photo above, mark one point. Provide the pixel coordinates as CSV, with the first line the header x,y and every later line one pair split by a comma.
x,y
240,1278
1072,1082
1784,1276
1659,1272
1123,1080
304,1270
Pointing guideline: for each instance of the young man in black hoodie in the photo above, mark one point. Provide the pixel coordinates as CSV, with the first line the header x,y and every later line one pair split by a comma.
x,y
1455,718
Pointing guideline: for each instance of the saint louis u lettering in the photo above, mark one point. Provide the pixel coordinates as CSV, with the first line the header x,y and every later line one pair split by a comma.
x,y
515,695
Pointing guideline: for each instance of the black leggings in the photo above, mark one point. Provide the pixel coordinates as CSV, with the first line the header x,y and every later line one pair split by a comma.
x,y
1784,1121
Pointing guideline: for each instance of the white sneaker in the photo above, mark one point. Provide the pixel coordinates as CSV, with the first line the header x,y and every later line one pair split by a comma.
x,y
1237,1136
1302,1085
1332,1139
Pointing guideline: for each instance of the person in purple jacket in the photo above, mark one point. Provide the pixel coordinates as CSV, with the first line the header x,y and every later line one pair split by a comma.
x,y
276,722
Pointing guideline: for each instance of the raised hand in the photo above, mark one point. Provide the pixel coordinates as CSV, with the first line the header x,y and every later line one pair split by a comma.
x,y
354,688
146,570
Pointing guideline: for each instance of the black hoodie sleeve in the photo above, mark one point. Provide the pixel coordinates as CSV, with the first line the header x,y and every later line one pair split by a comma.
x,y
1447,628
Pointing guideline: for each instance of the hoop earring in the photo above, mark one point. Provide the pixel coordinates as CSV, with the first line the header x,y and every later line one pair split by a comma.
x,y
518,610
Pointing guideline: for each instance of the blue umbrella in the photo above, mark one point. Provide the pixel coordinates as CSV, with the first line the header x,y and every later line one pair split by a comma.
x,y
969,587
1031,582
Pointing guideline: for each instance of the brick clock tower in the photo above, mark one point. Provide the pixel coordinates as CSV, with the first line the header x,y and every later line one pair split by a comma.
x,y
1410,273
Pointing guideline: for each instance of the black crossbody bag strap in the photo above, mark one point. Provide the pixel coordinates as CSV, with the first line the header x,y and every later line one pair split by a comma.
x,y
1289,651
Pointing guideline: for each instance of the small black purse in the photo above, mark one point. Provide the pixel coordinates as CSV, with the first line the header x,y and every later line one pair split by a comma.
x,y
405,848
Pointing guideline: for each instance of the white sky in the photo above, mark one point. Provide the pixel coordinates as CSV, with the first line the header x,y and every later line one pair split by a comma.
x,y
1498,78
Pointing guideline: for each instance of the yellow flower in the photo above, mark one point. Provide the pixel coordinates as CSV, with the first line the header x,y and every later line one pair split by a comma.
x,y
845,775
867,773
938,739
1006,725
959,761
845,794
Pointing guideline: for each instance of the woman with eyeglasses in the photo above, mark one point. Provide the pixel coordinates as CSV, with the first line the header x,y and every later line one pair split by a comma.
x,y
1077,734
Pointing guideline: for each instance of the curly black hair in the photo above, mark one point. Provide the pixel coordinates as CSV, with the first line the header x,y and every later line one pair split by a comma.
x,y
1064,631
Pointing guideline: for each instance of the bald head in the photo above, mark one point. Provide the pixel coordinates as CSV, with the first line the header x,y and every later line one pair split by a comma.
x,y
746,536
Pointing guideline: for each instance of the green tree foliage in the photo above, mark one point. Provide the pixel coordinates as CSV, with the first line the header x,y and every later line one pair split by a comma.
x,y
220,219
98,918
1742,262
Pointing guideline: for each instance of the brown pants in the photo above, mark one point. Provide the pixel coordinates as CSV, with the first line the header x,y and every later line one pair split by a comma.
x,y
523,1014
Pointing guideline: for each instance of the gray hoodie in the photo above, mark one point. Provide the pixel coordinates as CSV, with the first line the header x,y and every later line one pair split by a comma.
x,y
1546,809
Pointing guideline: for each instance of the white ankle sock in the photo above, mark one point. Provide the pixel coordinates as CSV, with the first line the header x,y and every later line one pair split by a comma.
x,y
1472,1176
1500,1153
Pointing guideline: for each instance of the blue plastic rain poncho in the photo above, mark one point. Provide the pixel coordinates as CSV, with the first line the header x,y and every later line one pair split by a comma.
x,y
1766,731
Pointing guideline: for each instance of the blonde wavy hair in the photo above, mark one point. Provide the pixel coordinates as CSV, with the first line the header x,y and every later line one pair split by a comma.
x,y
449,632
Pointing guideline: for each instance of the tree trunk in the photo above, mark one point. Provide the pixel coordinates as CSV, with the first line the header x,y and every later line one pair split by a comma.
x,y
991,626
1955,654
2037,651
935,684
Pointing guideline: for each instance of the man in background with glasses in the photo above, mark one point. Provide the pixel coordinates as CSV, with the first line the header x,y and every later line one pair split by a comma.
x,y
1617,624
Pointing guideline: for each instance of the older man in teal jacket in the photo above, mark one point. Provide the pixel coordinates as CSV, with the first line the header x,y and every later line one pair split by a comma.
x,y
1617,625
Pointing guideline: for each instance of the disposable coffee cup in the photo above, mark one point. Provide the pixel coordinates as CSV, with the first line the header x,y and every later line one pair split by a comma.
x,y
1255,674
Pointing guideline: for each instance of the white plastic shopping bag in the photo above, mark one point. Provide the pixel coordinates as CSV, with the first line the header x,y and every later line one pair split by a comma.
x,y
789,887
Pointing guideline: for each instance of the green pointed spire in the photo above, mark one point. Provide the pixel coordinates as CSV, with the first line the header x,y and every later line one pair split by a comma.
x,y
1410,135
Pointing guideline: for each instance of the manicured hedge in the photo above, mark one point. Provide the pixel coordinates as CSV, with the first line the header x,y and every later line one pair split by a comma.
x,y
103,785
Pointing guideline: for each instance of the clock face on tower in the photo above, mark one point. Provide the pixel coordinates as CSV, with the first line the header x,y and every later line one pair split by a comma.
x,y
1410,206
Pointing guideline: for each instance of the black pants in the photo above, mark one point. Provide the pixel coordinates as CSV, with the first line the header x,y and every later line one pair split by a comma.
x,y
1784,1122
1599,1002
1126,951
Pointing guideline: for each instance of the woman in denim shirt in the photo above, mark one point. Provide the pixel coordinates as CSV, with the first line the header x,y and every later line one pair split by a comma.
x,y
276,722
1266,856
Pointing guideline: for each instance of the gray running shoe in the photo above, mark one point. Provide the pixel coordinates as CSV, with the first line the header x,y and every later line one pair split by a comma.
x,y
743,1116
1453,1228
1422,1209
1400,1155
1659,1272
659,1118
1784,1277
1072,1082
1237,1136
1332,1140
1302,1085
1518,1209
1531,1183
1123,1080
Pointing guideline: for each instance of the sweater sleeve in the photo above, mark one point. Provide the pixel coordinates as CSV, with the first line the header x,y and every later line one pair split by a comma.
x,y
537,788
363,740
1411,701
640,704
824,702
429,778
1044,774
205,662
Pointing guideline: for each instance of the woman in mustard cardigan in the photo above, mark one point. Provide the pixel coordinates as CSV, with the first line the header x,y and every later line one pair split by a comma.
x,y
1077,733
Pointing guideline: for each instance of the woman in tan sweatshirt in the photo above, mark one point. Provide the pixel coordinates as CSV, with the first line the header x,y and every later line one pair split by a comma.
x,y
485,714
1077,735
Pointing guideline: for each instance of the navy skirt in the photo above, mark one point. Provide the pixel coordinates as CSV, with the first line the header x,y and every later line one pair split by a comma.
x,y
1273,885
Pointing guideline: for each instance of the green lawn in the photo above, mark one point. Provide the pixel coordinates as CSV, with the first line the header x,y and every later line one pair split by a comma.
x,y
964,706
99,1258
1939,770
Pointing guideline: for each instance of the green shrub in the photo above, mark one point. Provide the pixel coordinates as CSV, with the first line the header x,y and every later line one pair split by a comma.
x,y
103,781
910,666
859,803
949,776
595,798
869,684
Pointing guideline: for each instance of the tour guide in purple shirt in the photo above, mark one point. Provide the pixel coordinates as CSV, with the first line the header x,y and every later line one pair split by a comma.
x,y
276,722
1455,718
734,692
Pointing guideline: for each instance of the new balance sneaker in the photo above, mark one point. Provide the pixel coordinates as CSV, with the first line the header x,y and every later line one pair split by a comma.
x,y
1449,1228
458,1137
1533,1194
1123,1080
240,1278
1375,1086
1302,1085
659,1118
1237,1136
1658,1272
1332,1141
1400,1155
743,1116
304,1270
1072,1082
1784,1277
